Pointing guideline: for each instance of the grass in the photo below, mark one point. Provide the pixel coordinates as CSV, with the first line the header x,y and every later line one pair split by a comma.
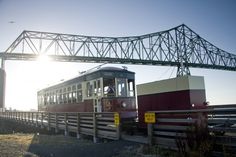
x,y
15,145
20,144
28,143
18,140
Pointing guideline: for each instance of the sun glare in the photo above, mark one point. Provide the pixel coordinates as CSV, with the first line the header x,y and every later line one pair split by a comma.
x,y
43,58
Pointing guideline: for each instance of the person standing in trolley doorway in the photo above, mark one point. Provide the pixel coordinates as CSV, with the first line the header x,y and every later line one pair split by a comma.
x,y
111,89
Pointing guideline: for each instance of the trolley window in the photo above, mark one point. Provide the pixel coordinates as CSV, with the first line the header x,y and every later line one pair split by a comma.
x,y
74,93
60,97
57,97
131,88
79,93
89,88
122,87
64,96
69,94
109,87
99,90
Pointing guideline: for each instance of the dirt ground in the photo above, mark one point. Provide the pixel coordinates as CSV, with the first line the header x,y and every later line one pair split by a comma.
x,y
23,141
36,145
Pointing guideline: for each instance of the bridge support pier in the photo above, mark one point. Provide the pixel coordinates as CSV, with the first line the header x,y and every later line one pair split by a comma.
x,y
2,85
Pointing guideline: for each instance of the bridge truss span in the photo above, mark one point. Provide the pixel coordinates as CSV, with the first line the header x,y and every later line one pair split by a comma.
x,y
179,46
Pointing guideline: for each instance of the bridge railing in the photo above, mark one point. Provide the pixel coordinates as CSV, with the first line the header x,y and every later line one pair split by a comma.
x,y
98,125
175,126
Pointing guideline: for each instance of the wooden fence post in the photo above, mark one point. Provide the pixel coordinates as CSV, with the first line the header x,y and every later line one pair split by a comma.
x,y
94,128
78,125
25,117
32,114
29,114
56,122
49,120
42,120
150,134
66,124
21,117
117,124
36,119
28,117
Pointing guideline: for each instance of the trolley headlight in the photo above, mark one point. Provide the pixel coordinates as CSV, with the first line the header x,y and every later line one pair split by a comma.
x,y
123,104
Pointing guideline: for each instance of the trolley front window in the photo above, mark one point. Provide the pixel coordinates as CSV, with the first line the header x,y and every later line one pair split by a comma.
x,y
131,87
109,87
122,87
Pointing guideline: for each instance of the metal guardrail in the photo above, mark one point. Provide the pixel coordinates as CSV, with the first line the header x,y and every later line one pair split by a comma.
x,y
98,125
175,124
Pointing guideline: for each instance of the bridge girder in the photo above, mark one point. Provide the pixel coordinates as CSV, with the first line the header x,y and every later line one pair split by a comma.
x,y
179,46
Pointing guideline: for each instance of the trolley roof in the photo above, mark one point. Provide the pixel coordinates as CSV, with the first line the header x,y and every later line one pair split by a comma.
x,y
105,72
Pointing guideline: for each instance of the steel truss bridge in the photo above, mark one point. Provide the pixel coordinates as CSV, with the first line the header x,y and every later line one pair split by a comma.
x,y
179,46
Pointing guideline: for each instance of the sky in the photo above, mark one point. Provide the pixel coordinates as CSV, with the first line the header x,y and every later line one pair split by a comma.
x,y
214,20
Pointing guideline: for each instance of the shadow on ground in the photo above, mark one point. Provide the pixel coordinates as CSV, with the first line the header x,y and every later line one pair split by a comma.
x,y
61,146
31,142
